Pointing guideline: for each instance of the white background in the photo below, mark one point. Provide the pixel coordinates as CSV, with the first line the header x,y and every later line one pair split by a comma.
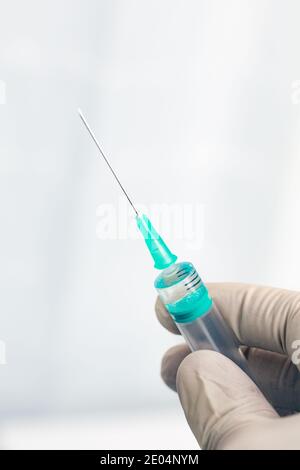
x,y
194,101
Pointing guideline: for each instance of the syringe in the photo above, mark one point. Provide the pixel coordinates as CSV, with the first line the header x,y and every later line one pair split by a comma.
x,y
187,300
183,292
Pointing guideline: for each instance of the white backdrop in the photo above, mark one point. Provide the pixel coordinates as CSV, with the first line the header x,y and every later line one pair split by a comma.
x,y
196,102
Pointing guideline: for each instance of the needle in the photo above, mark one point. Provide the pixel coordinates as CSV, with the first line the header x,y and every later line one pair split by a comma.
x,y
105,159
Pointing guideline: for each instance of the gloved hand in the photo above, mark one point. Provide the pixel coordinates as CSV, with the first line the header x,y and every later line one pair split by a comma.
x,y
223,407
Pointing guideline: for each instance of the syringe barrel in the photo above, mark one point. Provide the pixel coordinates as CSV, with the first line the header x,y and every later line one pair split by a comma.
x,y
201,324
210,331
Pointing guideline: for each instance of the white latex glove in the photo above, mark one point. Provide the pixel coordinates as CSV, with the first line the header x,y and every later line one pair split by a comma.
x,y
223,407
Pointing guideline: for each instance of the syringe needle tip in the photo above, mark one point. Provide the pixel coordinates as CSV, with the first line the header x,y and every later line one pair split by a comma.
x,y
105,159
